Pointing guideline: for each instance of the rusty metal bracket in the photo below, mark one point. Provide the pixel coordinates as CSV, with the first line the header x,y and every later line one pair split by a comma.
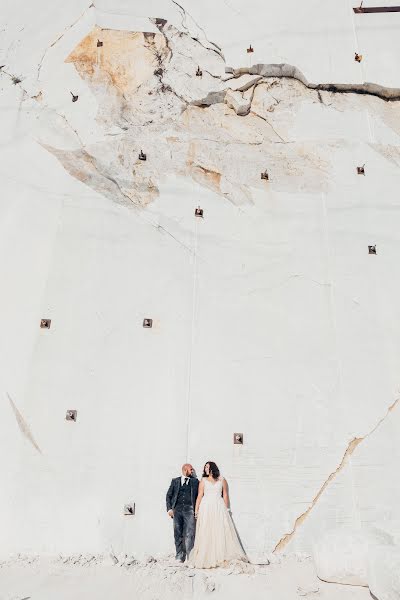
x,y
238,438
71,415
129,509
372,249
45,323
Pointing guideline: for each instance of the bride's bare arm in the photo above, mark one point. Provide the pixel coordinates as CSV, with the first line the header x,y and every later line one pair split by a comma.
x,y
225,493
199,497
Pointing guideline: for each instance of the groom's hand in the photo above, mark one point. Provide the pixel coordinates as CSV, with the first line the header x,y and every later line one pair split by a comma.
x,y
171,513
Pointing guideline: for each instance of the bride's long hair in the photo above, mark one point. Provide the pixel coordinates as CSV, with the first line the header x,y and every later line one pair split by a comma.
x,y
214,471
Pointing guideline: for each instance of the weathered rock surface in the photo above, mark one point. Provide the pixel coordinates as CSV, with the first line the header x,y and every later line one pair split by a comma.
x,y
384,572
150,99
341,555
271,301
238,102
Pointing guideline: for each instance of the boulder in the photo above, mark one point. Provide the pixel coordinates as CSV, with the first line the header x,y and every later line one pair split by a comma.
x,y
341,555
384,572
240,104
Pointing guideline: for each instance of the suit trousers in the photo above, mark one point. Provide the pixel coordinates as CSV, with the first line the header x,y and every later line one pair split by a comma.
x,y
184,531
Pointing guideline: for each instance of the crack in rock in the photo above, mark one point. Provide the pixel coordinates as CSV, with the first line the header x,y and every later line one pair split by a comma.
x,y
15,80
265,71
282,70
349,451
184,13
59,38
38,97
272,127
86,168
159,107
22,424
160,24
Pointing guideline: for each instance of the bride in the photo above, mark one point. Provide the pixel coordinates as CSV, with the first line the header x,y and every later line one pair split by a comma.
x,y
216,542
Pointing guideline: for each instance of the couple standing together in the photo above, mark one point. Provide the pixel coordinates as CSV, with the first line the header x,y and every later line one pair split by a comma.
x,y
203,528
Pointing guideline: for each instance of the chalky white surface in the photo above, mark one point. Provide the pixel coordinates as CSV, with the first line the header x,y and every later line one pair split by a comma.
x,y
270,318
384,572
342,555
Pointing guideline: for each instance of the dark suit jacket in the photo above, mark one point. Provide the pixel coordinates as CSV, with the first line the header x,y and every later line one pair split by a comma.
x,y
173,491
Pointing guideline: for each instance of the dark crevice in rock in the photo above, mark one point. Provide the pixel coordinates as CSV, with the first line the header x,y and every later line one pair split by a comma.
x,y
216,48
283,70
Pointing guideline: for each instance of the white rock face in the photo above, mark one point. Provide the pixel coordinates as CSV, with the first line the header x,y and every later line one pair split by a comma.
x,y
384,572
270,317
341,555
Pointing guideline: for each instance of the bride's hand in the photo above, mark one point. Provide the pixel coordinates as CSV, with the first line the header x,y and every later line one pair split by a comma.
x,y
195,515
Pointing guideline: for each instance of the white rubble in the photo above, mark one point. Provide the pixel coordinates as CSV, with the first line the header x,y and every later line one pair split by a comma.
x,y
310,590
67,577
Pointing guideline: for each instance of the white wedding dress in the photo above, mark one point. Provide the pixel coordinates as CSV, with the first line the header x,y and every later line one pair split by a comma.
x,y
216,542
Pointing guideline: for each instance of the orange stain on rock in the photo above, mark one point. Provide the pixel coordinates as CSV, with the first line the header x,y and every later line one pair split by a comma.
x,y
126,59
203,175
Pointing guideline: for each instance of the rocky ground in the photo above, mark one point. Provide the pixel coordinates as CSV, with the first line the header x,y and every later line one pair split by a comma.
x,y
124,577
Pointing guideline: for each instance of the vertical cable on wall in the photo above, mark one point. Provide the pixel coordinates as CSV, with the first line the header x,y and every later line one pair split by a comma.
x,y
356,43
192,330
332,304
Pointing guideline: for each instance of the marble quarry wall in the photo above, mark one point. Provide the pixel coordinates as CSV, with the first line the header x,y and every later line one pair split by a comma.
x,y
275,314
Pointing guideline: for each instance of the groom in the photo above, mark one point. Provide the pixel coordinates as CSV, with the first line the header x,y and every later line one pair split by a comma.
x,y
181,501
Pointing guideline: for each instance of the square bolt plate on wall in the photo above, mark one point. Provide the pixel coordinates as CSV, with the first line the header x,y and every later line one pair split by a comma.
x,y
147,323
71,415
238,438
198,212
372,249
45,323
361,170
129,509
265,175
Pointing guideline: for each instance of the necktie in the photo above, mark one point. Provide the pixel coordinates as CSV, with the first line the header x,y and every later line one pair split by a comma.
x,y
186,480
